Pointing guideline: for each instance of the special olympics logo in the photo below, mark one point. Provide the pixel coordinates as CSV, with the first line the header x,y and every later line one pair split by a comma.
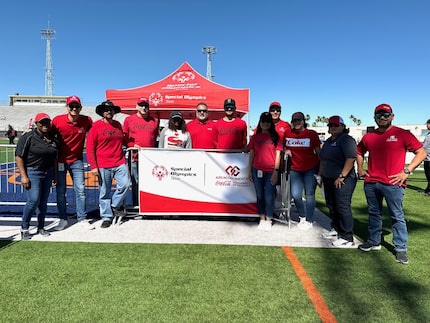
x,y
159,172
155,98
232,170
182,77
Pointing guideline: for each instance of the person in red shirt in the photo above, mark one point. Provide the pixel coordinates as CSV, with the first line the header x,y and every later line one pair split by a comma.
x,y
106,158
385,178
265,148
141,130
201,128
280,125
230,132
71,129
303,146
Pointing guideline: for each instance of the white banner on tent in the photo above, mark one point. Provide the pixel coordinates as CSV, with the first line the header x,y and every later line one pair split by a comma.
x,y
195,182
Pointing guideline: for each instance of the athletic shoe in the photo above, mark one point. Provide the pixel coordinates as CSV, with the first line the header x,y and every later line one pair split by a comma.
x,y
25,235
261,225
86,224
304,225
368,246
402,257
62,224
268,225
105,224
43,232
329,234
342,243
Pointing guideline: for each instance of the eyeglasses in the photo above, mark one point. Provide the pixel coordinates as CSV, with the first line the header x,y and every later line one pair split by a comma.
x,y
275,110
74,106
379,115
333,125
202,111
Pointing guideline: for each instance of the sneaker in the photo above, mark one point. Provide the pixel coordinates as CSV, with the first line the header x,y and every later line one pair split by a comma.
x,y
43,232
62,224
25,235
329,234
86,224
261,225
342,243
105,224
304,225
268,225
402,257
368,246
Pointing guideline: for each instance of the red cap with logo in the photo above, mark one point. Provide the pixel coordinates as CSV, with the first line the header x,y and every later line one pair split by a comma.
x,y
142,102
384,107
40,116
73,99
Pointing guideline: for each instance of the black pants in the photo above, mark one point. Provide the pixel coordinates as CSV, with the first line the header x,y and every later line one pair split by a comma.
x,y
427,172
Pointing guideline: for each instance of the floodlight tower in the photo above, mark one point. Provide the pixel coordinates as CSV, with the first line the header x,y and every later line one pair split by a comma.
x,y
48,34
209,50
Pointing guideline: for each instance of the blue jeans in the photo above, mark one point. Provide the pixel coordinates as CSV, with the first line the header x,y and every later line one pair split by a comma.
x,y
37,198
122,178
76,170
265,193
338,201
306,181
393,195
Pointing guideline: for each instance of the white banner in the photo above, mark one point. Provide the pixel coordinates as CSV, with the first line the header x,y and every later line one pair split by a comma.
x,y
195,182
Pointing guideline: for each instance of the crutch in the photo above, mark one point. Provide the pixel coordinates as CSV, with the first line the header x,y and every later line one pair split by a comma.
x,y
283,196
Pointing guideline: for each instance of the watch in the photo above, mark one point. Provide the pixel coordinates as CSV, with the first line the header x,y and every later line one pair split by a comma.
x,y
406,171
341,176
276,169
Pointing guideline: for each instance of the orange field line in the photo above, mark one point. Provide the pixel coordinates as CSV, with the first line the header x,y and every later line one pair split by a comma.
x,y
313,293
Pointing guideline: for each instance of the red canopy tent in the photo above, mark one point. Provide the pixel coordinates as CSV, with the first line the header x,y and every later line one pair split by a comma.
x,y
181,90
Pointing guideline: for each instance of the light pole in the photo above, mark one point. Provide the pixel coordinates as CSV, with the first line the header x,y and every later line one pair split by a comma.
x,y
208,51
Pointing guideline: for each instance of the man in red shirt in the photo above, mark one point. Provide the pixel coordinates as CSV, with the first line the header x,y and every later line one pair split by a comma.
x,y
141,130
230,132
385,178
280,125
71,129
201,128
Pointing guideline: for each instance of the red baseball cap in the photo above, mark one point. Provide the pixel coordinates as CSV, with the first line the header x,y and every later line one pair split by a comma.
x,y
384,107
336,120
40,116
143,102
275,104
73,99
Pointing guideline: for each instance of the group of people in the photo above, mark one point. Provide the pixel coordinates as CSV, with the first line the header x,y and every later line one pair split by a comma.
x,y
331,165
54,148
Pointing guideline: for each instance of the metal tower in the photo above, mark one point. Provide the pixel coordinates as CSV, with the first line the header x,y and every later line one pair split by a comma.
x,y
48,34
209,50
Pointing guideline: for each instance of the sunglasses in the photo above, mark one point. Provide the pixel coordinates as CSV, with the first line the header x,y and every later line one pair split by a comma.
x,y
379,115
275,110
202,111
74,106
229,108
143,105
333,125
45,122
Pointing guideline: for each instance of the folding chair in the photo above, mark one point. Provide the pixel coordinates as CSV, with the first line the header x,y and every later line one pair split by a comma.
x,y
283,194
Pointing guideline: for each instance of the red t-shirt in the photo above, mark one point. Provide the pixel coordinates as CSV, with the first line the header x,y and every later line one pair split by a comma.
x,y
281,126
230,135
202,134
302,145
264,151
104,145
387,152
141,131
71,136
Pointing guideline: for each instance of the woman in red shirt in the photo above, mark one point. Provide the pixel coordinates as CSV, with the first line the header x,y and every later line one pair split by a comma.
x,y
302,146
265,148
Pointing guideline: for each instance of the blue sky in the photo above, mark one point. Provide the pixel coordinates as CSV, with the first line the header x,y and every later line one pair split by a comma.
x,y
321,57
